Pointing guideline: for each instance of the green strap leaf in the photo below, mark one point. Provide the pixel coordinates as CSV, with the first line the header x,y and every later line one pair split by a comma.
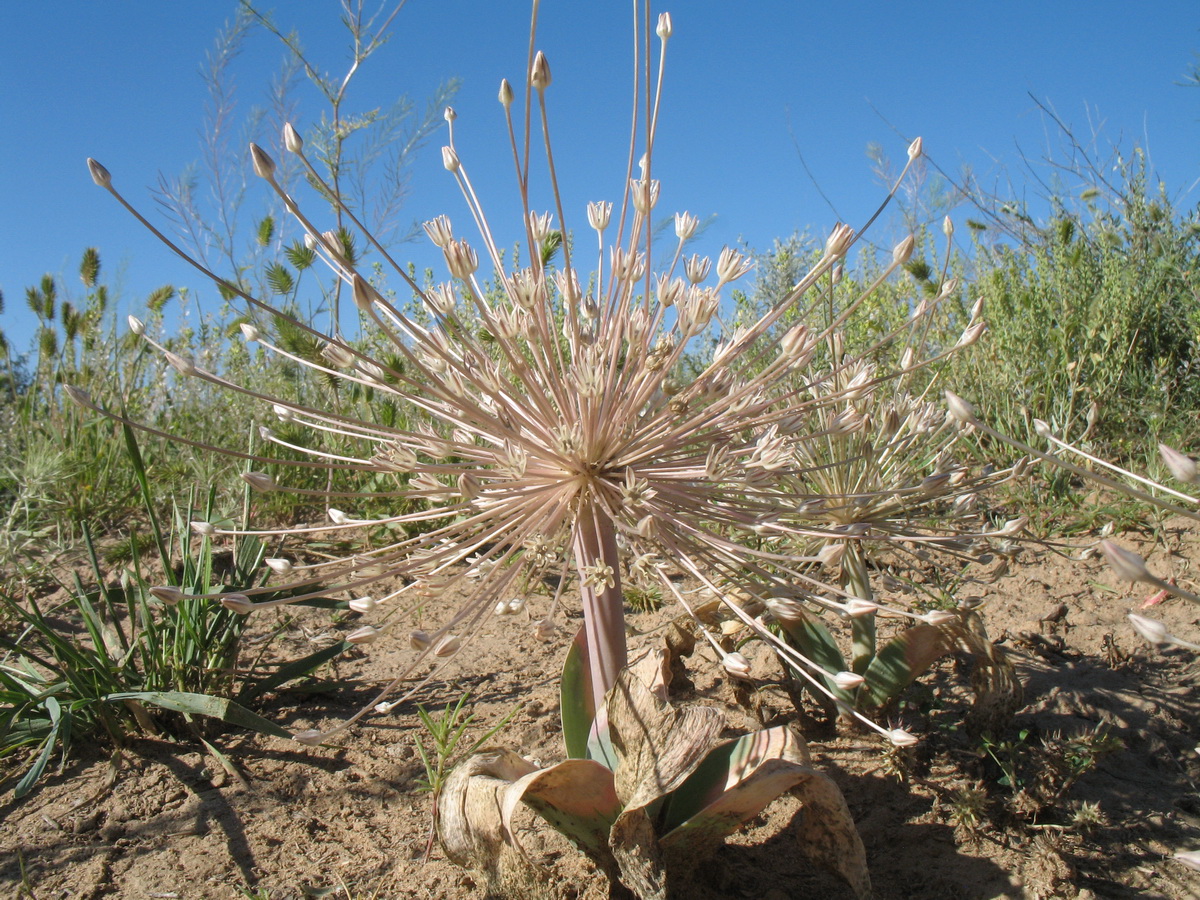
x,y
813,639
575,699
29,779
902,660
205,705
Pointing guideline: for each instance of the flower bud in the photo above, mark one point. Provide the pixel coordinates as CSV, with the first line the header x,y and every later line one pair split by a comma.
x,y
310,738
99,173
848,681
283,413
136,326
736,665
832,554
1152,630
448,645
1181,465
450,159
664,29
948,227
940,617
903,250
280,566
449,114
362,293
238,603
337,517
418,640
291,139
250,333
364,635
204,529
260,481
915,149
857,606
180,364
1127,564
506,93
79,396
545,630
786,609
168,594
898,736
540,77
264,166
960,409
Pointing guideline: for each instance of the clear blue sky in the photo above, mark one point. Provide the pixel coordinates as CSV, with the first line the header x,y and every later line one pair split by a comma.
x,y
118,81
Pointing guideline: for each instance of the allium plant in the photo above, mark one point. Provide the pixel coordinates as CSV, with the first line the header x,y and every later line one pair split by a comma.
x,y
557,434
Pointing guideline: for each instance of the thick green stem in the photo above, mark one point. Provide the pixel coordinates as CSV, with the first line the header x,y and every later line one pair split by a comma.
x,y
862,628
603,607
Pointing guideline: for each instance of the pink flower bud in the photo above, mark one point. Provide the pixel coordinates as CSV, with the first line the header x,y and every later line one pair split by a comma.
x,y
362,604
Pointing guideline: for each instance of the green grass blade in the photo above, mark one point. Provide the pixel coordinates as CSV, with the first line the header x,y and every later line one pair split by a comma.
x,y
205,705
296,669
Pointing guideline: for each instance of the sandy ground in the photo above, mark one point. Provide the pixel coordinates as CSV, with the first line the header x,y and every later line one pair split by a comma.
x,y
943,820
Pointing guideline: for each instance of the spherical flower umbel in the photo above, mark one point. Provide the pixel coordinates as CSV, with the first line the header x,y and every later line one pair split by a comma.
x,y
562,426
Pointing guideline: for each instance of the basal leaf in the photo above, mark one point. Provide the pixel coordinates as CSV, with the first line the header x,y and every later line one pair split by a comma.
x,y
813,639
902,660
575,701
